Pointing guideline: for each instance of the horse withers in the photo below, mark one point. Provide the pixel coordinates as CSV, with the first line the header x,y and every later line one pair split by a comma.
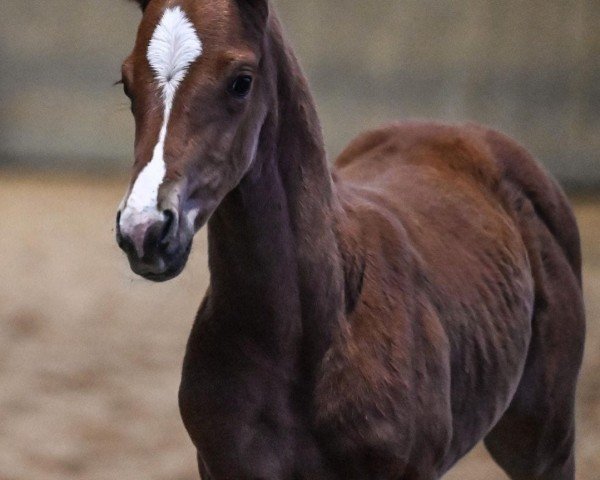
x,y
375,321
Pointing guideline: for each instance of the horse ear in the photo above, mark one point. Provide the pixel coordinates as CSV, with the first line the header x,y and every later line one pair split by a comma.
x,y
254,13
142,3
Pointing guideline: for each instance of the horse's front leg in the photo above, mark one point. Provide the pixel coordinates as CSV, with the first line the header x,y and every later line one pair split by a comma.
x,y
260,451
245,454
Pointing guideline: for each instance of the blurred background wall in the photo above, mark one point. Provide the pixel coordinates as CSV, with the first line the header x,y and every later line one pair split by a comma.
x,y
529,68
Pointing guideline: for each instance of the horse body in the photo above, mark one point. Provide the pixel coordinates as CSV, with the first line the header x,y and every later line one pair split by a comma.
x,y
443,327
376,321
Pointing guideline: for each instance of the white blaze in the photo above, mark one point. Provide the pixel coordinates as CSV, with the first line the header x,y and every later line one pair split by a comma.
x,y
173,48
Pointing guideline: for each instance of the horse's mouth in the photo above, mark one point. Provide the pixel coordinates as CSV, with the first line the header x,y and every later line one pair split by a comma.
x,y
163,266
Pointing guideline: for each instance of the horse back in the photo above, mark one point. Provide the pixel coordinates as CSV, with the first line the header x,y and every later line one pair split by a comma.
x,y
489,158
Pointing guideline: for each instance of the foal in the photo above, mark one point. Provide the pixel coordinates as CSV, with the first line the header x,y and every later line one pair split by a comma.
x,y
373,322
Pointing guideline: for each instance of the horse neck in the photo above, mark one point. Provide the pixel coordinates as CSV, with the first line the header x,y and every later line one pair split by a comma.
x,y
272,248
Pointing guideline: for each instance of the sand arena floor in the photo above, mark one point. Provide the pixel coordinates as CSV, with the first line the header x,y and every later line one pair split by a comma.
x,y
90,355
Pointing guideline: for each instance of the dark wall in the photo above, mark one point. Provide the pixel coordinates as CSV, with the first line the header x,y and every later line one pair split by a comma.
x,y
531,68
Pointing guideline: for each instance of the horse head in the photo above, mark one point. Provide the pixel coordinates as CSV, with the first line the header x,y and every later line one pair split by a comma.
x,y
198,94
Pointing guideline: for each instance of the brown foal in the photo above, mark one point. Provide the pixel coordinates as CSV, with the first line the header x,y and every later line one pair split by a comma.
x,y
375,321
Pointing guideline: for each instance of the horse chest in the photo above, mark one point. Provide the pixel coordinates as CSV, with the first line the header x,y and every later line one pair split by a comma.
x,y
240,410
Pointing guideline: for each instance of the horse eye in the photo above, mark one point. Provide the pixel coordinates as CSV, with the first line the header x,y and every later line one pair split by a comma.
x,y
240,86
129,95
125,89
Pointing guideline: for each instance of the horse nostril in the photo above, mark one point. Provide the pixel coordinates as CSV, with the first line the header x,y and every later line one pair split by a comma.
x,y
169,226
118,233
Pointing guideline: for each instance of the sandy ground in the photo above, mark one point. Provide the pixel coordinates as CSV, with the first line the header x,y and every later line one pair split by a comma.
x,y
90,355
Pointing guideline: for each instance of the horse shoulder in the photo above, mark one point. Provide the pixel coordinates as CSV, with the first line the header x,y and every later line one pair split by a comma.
x,y
378,390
